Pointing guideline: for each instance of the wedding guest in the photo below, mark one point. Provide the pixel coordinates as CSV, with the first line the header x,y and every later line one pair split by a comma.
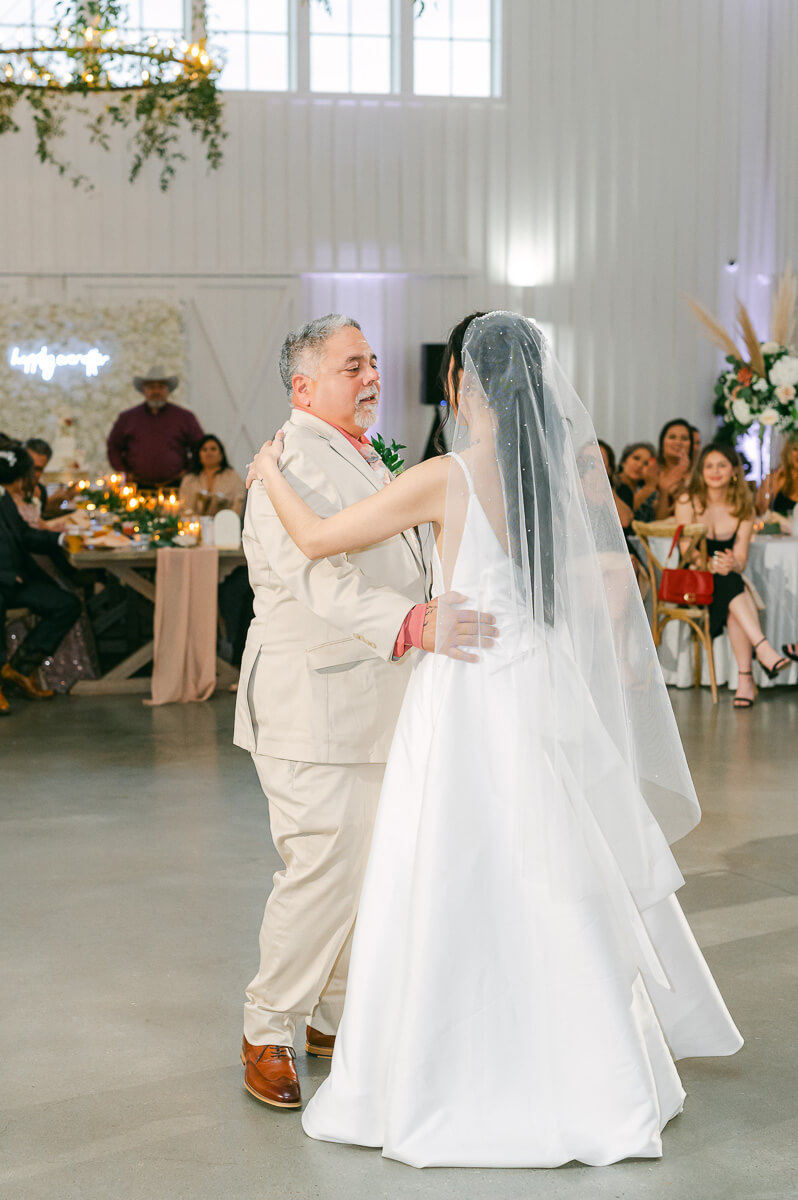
x,y
153,442
636,482
779,490
211,483
719,498
696,447
52,502
23,584
674,455
624,511
27,495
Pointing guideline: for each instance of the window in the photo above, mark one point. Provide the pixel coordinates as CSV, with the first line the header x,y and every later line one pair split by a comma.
x,y
453,48
350,46
25,22
252,38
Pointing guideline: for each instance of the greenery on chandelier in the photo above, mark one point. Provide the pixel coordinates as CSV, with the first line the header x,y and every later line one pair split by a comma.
x,y
158,89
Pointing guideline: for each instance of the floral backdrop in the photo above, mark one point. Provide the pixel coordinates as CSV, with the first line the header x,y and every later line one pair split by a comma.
x,y
83,395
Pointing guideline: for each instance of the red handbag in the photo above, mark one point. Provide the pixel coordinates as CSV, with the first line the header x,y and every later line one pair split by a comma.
x,y
680,585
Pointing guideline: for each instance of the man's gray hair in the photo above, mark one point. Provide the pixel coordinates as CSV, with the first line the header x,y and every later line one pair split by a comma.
x,y
303,348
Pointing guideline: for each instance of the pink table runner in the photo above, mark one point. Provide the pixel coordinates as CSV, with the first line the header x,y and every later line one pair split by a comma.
x,y
184,666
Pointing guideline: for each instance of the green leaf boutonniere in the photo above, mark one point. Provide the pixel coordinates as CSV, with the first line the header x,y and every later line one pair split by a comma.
x,y
389,454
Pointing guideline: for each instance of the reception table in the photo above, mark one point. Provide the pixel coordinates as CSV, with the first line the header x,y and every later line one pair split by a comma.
x,y
135,569
773,570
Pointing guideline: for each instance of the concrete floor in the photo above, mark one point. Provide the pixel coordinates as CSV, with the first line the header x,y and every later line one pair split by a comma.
x,y
135,863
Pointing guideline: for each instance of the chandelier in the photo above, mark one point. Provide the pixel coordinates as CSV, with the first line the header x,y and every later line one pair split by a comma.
x,y
158,89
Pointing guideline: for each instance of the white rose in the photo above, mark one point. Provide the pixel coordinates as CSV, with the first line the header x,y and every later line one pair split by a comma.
x,y
785,392
770,347
761,385
784,371
768,416
742,413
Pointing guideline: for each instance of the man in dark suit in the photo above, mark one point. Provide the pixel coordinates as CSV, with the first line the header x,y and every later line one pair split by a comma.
x,y
23,584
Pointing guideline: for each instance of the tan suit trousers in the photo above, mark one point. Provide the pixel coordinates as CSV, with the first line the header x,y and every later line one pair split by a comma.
x,y
322,816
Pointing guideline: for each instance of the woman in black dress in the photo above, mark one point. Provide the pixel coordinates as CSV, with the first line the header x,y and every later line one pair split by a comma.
x,y
719,498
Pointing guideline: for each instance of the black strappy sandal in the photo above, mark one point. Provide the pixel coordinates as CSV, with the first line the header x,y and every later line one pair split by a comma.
x,y
791,650
777,667
744,701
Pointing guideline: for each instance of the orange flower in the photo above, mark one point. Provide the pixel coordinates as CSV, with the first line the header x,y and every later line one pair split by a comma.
x,y
745,375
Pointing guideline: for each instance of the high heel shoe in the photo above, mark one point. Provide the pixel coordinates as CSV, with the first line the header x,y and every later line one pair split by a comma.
x,y
791,650
777,667
744,701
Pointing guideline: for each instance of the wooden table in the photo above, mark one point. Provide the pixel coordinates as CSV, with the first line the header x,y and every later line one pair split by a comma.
x,y
129,567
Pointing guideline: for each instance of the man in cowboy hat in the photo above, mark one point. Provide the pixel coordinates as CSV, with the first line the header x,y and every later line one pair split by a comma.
x,y
153,442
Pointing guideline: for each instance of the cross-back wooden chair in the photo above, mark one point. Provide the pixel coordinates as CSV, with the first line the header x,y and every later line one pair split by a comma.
x,y
695,616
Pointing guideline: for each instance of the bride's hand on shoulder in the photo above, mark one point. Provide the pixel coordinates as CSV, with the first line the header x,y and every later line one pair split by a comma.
x,y
267,458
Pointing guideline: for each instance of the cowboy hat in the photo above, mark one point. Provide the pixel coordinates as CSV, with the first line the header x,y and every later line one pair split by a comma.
x,y
155,375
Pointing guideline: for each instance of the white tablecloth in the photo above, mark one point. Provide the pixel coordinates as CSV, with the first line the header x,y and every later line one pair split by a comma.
x,y
773,569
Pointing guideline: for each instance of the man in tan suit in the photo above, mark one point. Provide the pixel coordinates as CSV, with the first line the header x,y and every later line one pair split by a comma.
x,y
323,674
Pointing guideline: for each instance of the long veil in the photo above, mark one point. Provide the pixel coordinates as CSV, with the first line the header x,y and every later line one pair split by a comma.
x,y
572,697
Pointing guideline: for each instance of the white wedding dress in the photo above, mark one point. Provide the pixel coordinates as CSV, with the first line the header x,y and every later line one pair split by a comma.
x,y
513,1000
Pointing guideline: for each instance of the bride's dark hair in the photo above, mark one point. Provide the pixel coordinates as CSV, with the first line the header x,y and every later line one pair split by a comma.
x,y
507,353
452,360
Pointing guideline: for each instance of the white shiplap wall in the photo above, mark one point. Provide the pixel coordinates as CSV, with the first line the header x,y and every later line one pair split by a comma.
x,y
638,146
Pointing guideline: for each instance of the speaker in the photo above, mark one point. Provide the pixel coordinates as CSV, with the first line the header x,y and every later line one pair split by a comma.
x,y
431,359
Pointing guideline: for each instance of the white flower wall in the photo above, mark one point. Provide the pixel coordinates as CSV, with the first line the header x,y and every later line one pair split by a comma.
x,y
134,337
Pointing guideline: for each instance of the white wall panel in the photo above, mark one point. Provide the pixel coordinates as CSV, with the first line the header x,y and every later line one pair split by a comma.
x,y
639,145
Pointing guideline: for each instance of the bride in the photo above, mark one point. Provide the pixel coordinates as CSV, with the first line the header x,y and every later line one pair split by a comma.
x,y
522,976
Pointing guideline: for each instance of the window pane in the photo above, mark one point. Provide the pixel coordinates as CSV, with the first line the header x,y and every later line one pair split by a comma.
x,y
232,14
371,16
470,68
15,12
16,35
234,74
434,21
268,62
334,21
161,14
268,16
471,19
431,68
371,64
43,13
329,64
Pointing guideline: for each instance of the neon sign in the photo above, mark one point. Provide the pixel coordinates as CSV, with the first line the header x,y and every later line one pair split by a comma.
x,y
46,362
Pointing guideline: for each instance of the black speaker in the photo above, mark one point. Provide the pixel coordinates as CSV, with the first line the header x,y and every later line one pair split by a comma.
x,y
431,359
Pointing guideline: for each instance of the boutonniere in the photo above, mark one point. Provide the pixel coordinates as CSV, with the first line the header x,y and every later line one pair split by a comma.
x,y
389,454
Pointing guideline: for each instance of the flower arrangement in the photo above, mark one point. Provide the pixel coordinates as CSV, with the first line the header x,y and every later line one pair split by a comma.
x,y
760,386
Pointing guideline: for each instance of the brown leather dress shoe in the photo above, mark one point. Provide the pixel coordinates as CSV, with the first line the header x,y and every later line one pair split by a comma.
x,y
270,1075
320,1045
5,707
25,683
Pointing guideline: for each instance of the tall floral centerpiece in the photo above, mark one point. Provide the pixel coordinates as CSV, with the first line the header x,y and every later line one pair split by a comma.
x,y
757,392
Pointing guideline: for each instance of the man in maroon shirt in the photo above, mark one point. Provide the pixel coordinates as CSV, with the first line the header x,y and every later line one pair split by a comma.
x,y
153,442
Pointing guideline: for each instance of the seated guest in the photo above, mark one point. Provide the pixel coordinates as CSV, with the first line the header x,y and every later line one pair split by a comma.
x,y
26,494
696,448
211,483
636,482
608,458
23,584
778,492
153,442
52,503
674,455
719,498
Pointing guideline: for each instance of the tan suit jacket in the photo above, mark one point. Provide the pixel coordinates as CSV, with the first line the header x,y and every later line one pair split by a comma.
x,y
318,683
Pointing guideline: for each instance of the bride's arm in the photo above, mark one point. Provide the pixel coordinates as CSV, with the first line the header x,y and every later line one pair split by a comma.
x,y
413,498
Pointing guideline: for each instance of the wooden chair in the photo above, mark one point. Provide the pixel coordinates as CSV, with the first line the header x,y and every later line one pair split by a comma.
x,y
696,617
